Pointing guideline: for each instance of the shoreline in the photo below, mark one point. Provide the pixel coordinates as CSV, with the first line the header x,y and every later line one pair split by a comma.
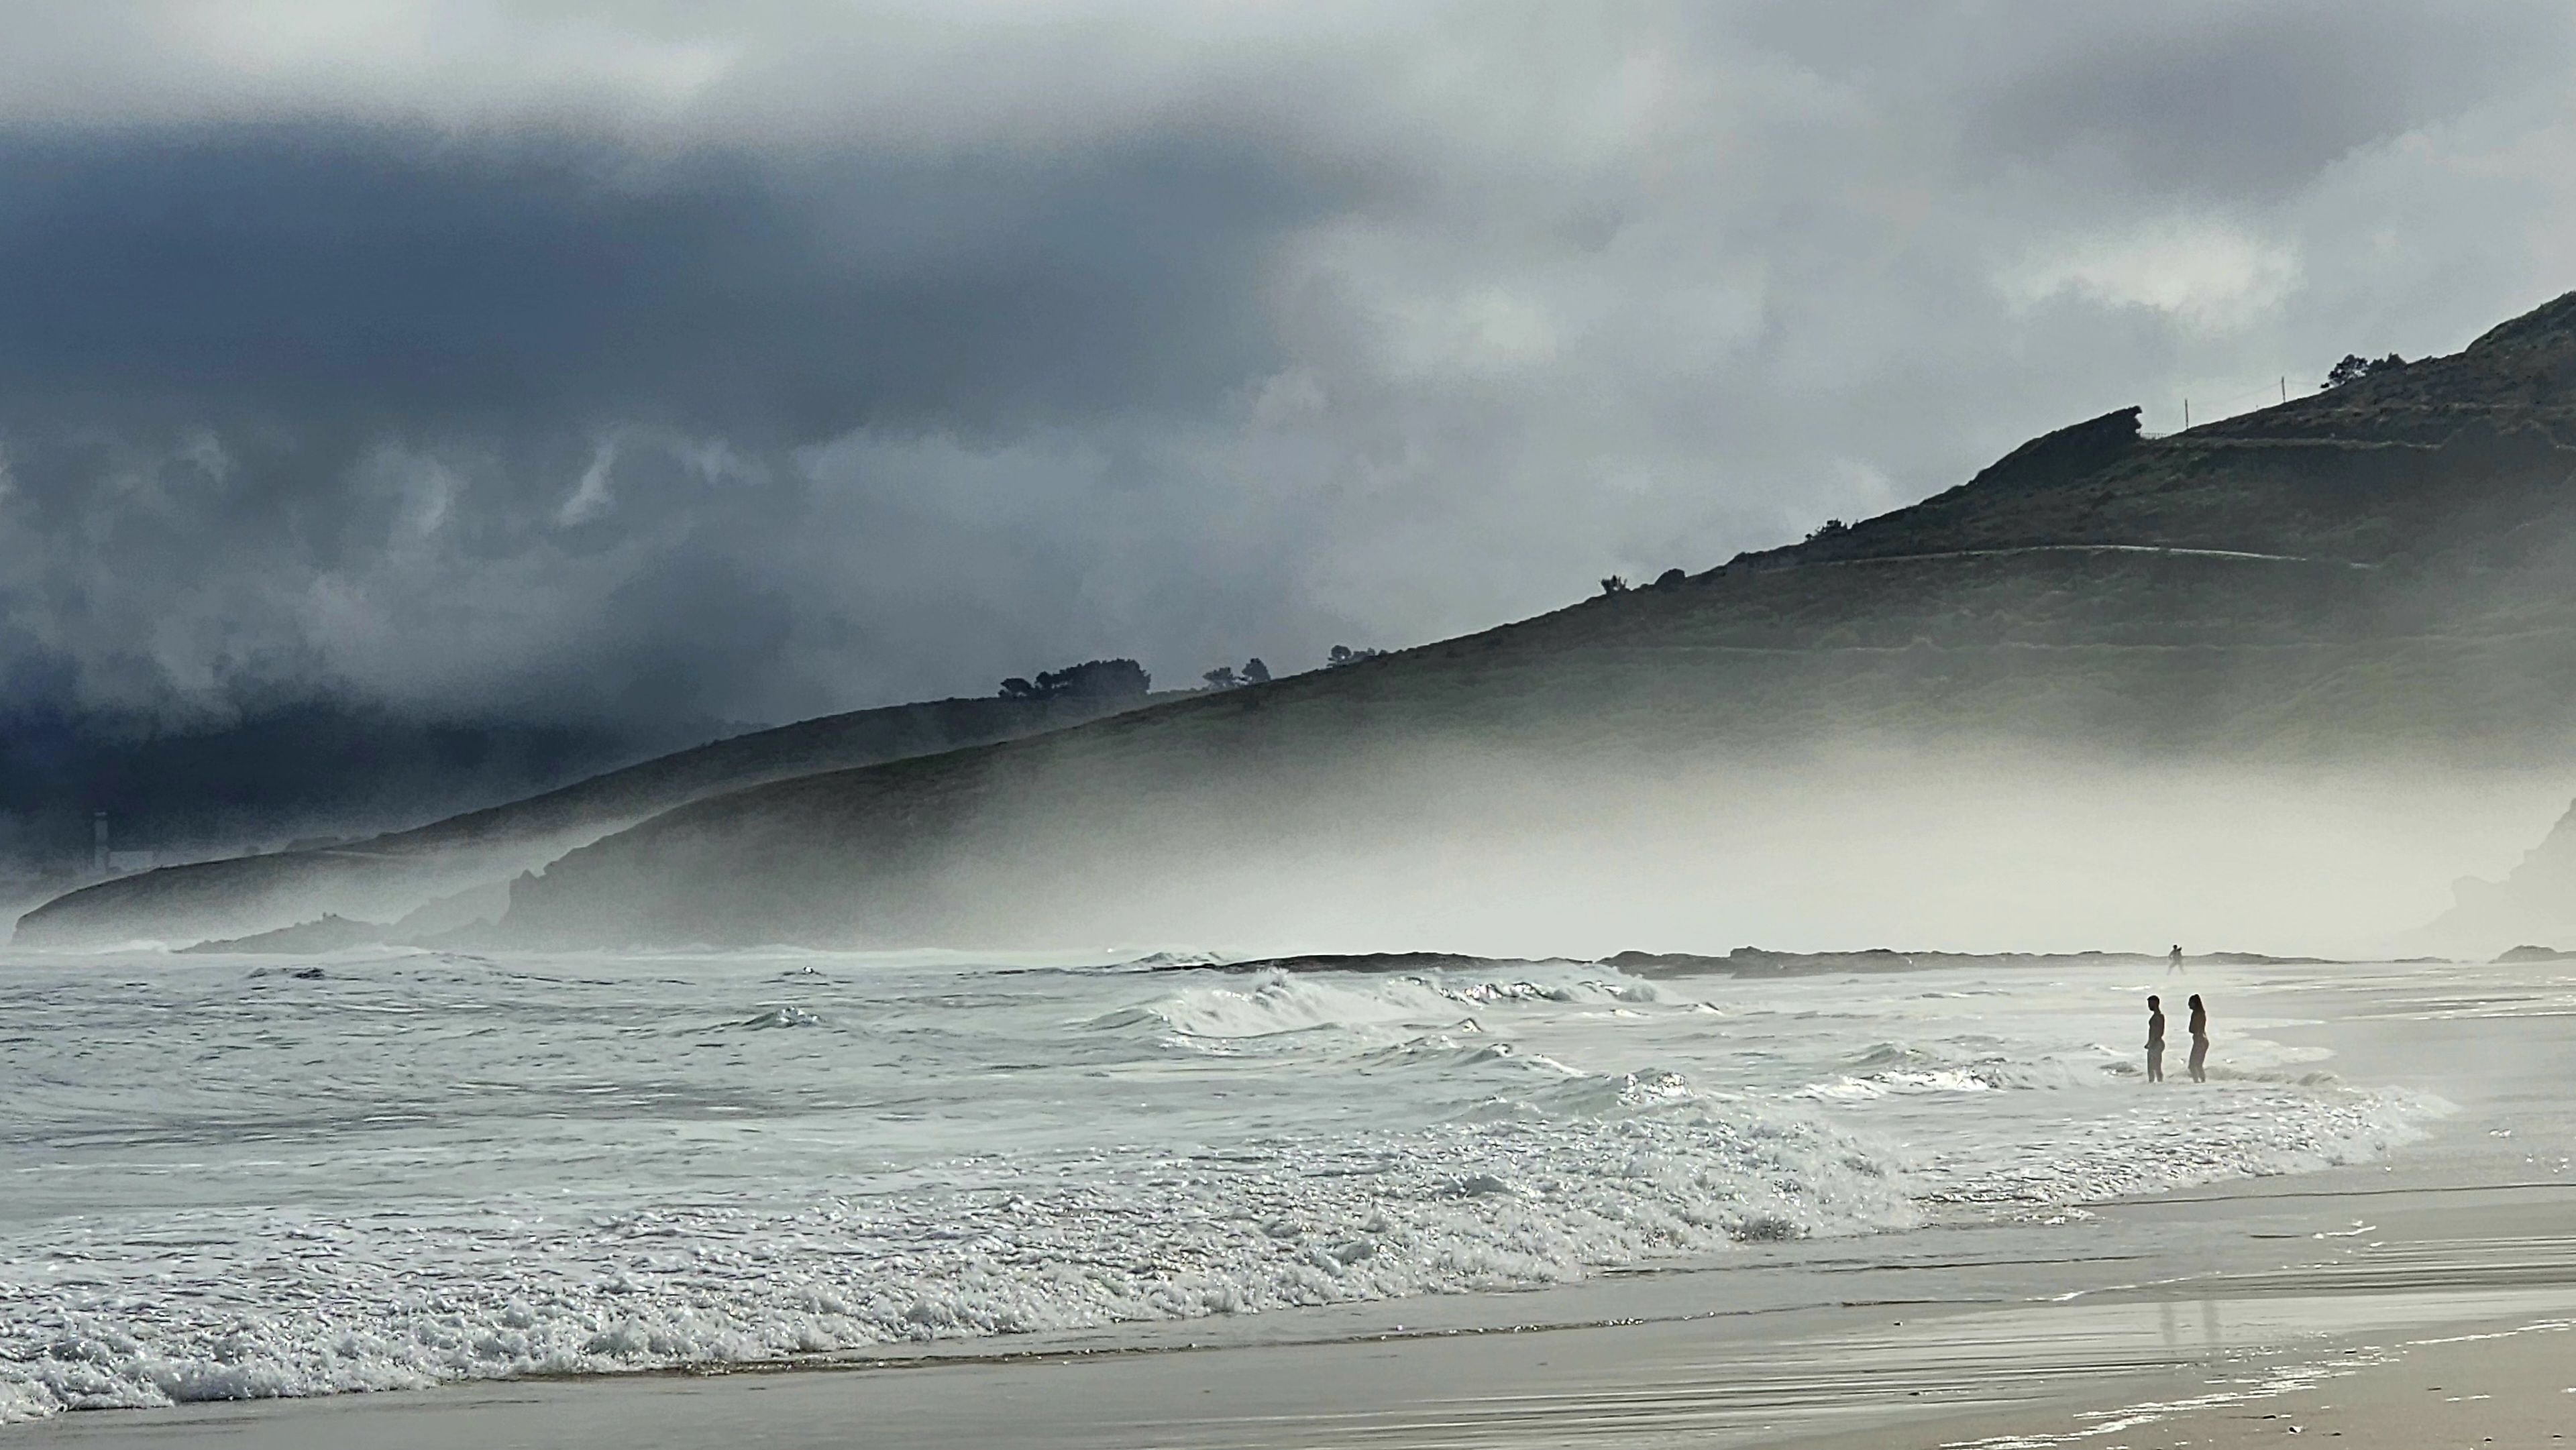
x,y
1906,1355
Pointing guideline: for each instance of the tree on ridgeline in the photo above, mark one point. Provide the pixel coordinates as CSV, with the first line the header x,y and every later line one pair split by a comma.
x,y
1090,680
1669,578
1343,654
1614,585
1226,677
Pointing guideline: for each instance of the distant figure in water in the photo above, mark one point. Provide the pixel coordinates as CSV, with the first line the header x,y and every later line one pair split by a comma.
x,y
2199,1040
2173,960
2155,1039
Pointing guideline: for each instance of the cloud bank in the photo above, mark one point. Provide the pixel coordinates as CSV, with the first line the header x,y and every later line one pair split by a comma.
x,y
641,362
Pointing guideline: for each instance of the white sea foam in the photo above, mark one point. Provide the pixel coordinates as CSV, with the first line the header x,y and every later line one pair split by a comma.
x,y
307,1303
230,1183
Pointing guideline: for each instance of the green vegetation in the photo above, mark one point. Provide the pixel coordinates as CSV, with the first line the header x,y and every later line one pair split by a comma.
x,y
1090,680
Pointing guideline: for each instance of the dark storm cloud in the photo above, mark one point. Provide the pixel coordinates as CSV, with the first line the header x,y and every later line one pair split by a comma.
x,y
252,379
601,361
329,272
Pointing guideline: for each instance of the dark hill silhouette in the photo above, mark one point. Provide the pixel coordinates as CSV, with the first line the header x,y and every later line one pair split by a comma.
x,y
390,876
2375,573
225,785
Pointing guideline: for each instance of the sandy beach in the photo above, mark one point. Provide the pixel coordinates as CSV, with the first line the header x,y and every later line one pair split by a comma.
x,y
2418,1300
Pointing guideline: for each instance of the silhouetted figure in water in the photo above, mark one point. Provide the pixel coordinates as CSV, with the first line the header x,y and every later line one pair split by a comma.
x,y
2173,960
2199,1040
2155,1039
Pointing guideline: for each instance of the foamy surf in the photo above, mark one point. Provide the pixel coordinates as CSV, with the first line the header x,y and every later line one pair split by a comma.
x,y
241,1183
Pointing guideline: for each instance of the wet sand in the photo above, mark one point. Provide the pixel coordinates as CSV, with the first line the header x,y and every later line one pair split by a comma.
x,y
2507,1385
2342,1302
2510,1383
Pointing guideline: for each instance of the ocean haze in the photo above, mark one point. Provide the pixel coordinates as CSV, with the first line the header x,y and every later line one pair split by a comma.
x,y
2114,682
2214,682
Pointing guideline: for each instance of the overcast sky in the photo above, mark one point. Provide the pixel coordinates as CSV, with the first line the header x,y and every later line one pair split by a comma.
x,y
660,360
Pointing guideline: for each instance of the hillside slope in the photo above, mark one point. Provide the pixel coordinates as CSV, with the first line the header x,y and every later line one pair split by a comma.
x,y
393,875
2374,577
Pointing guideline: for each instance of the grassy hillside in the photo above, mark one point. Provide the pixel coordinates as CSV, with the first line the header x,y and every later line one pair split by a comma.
x,y
2375,574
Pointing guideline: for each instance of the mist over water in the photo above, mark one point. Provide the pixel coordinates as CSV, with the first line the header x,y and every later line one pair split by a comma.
x,y
233,1177
1911,851
1462,845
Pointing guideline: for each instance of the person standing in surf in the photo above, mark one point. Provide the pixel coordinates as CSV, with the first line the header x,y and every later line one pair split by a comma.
x,y
2199,1040
2155,1040
2173,960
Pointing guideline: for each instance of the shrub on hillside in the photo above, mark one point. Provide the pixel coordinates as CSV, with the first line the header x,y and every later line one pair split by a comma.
x,y
1090,680
2354,367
